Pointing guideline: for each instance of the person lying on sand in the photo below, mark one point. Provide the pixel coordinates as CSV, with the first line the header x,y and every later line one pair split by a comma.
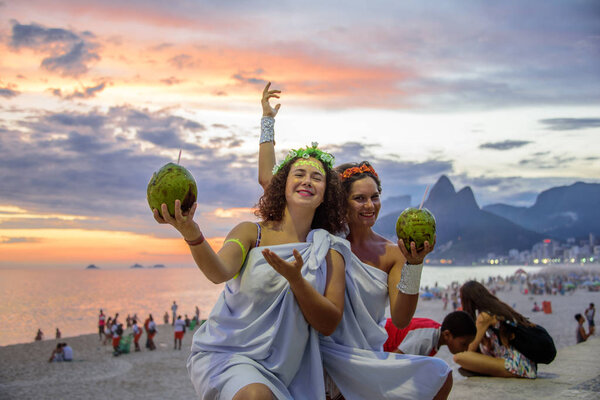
x,y
424,336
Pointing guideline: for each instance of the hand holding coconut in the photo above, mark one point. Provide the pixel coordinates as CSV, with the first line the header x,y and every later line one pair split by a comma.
x,y
415,229
416,234
182,221
171,194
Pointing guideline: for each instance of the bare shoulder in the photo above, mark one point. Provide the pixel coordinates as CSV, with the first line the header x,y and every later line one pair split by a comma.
x,y
393,255
244,231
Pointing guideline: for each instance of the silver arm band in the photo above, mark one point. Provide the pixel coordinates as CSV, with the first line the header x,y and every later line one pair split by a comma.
x,y
410,279
267,129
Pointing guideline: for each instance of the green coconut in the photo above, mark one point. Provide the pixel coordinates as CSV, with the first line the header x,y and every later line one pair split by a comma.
x,y
170,183
416,225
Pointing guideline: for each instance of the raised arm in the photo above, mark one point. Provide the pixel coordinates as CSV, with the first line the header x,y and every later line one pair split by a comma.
x,y
404,280
266,151
323,312
217,267
484,321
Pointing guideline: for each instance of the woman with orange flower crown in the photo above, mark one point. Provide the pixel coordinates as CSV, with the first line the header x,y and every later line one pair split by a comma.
x,y
284,284
381,273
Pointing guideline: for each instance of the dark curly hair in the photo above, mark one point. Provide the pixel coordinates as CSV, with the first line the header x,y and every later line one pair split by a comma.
x,y
347,183
329,215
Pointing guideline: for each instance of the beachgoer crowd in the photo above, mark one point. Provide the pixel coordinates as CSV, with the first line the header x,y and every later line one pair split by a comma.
x,y
111,330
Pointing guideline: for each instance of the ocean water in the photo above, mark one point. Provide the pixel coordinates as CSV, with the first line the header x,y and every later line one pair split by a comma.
x,y
71,299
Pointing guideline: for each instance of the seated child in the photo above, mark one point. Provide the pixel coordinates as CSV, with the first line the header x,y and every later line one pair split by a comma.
x,y
424,336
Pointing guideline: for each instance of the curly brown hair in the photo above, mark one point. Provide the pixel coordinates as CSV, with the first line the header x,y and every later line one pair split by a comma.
x,y
329,215
347,183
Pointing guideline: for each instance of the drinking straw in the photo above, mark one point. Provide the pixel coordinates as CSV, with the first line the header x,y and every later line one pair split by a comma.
x,y
424,195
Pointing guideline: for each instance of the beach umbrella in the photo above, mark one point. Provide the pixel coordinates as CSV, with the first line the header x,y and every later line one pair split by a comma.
x,y
587,283
520,271
569,285
427,295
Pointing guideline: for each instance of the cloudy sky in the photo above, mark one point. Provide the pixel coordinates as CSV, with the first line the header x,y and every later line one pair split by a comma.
x,y
95,96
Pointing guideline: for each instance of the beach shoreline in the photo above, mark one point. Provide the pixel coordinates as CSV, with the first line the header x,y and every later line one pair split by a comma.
x,y
96,373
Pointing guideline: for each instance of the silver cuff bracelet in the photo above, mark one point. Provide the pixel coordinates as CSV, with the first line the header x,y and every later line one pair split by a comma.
x,y
410,280
267,129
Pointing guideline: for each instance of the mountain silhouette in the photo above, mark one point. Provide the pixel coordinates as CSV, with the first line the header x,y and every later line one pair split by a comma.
x,y
464,231
561,212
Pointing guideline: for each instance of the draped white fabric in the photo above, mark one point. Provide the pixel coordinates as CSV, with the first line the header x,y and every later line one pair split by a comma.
x,y
353,355
256,332
366,297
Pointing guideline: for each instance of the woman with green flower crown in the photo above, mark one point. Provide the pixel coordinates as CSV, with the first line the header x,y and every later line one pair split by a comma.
x,y
380,274
284,284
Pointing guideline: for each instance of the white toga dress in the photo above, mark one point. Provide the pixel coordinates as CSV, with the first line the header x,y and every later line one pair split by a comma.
x,y
353,355
256,333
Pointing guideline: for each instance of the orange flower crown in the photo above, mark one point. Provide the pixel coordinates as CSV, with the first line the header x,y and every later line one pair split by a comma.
x,y
348,172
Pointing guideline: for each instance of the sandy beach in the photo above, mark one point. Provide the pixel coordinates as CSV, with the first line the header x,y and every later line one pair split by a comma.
x,y
95,374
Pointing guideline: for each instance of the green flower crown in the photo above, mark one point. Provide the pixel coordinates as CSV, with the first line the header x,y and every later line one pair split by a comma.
x,y
326,158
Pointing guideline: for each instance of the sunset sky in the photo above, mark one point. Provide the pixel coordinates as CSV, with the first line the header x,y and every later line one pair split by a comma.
x,y
97,95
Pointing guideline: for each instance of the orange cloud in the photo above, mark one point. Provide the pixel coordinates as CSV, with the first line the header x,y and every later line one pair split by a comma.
x,y
8,213
78,248
320,78
139,70
134,16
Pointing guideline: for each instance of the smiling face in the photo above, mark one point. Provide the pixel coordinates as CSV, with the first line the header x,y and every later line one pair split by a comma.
x,y
306,183
363,202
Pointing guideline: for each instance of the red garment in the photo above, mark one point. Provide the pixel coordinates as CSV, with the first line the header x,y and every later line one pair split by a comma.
x,y
396,336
